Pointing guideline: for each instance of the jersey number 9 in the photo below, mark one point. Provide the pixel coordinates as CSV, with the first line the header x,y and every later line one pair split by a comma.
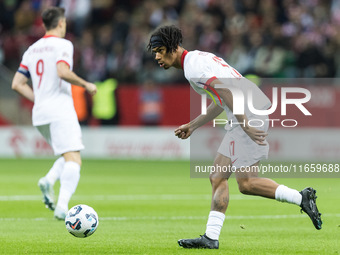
x,y
40,70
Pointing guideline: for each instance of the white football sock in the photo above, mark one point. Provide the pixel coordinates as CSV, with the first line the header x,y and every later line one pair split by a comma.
x,y
214,224
285,194
68,183
54,174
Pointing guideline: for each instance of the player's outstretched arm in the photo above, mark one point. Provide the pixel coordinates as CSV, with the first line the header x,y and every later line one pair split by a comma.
x,y
19,84
186,130
65,73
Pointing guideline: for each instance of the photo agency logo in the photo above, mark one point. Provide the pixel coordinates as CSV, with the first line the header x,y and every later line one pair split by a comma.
x,y
254,101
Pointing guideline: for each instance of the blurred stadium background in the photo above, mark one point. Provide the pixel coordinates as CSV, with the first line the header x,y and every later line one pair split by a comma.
x,y
284,40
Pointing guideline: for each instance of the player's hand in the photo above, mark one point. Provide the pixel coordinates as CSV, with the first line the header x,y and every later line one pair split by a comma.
x,y
184,131
258,136
91,88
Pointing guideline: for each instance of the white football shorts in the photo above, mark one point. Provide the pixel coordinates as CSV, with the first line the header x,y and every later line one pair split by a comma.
x,y
241,149
63,135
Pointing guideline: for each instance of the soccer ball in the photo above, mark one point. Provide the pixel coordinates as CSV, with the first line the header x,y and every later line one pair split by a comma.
x,y
81,221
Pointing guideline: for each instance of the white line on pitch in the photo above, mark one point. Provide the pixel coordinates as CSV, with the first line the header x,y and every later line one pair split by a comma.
x,y
128,197
236,217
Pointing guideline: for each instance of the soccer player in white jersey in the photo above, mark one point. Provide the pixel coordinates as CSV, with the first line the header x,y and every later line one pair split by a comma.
x,y
48,62
206,71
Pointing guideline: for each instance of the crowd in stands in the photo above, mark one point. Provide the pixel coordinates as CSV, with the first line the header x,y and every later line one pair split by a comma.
x,y
270,38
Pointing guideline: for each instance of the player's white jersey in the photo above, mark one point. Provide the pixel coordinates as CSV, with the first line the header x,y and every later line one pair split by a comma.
x,y
52,95
201,68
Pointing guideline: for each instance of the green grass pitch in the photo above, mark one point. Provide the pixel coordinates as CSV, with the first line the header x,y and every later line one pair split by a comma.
x,y
144,207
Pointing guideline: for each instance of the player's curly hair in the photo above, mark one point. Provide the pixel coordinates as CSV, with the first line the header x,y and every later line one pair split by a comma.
x,y
170,37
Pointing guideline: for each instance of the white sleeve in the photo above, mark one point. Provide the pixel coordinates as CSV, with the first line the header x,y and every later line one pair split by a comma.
x,y
201,73
65,53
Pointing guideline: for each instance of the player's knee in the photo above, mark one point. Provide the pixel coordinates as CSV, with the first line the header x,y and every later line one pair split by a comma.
x,y
246,186
216,179
73,156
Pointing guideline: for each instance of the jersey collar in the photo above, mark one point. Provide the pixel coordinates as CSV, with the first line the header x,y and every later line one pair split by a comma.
x,y
48,36
185,52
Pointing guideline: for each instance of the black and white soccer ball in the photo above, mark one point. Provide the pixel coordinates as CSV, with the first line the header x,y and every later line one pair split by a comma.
x,y
81,221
